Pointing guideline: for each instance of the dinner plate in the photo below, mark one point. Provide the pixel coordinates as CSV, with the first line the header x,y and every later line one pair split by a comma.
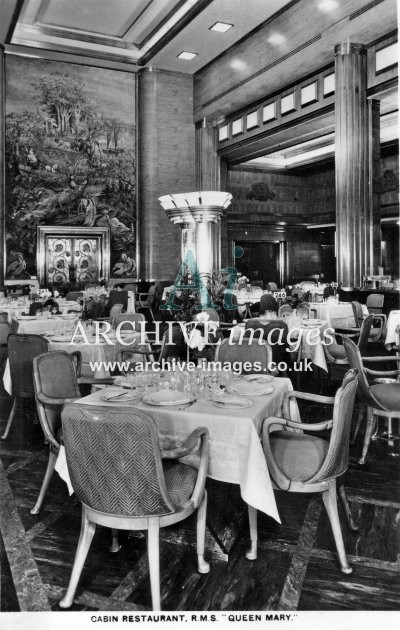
x,y
232,402
168,398
250,389
27,318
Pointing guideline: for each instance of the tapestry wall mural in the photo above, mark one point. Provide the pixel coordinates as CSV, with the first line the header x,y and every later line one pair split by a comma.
x,y
70,159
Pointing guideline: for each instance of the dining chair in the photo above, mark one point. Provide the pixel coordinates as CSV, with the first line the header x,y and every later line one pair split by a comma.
x,y
133,321
173,347
245,350
114,311
376,399
21,351
335,354
35,307
377,327
124,480
375,303
305,463
285,309
55,382
274,333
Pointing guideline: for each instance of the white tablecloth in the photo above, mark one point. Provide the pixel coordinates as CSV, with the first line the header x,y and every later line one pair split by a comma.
x,y
336,315
392,323
41,326
236,454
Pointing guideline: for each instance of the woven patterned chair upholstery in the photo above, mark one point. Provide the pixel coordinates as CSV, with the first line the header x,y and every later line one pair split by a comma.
x,y
117,472
268,303
377,326
54,379
21,351
358,313
132,321
375,400
246,350
302,463
285,309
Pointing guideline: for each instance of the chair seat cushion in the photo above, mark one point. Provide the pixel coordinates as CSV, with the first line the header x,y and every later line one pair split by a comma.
x,y
180,480
299,456
336,351
388,394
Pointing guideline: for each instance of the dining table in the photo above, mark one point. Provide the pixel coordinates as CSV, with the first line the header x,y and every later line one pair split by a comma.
x,y
236,454
393,330
336,314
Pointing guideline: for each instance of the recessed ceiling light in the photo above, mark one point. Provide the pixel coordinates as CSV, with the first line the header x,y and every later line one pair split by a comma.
x,y
188,56
220,27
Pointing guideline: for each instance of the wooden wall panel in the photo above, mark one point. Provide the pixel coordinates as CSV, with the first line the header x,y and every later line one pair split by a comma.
x,y
166,164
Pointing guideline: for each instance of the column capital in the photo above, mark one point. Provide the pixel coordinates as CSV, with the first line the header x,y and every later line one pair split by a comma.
x,y
350,48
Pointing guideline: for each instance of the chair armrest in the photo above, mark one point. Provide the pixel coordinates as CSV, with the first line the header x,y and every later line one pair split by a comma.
x,y
184,449
46,400
318,426
77,358
202,434
381,372
280,479
385,359
327,400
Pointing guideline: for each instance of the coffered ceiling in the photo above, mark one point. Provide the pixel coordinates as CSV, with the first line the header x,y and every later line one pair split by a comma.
x,y
139,32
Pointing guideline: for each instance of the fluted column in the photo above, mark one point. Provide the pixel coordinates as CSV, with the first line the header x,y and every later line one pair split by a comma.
x,y
2,166
374,234
351,163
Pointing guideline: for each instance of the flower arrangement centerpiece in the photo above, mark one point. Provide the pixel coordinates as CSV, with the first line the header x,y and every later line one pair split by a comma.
x,y
242,282
44,293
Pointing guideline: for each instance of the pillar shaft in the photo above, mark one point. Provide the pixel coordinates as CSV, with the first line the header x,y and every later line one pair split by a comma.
x,y
351,163
373,248
2,166
207,160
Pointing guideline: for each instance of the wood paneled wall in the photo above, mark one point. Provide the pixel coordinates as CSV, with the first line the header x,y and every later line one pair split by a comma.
x,y
166,164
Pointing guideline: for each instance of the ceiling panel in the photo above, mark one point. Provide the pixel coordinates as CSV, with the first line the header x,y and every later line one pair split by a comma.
x,y
106,18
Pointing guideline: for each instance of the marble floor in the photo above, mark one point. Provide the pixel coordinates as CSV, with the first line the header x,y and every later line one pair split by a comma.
x,y
296,569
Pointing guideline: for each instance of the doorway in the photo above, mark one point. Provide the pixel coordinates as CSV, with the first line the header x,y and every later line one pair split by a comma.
x,y
260,261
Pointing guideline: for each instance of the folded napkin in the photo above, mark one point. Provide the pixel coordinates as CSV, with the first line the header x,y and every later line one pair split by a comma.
x,y
114,393
250,389
231,400
258,378
168,397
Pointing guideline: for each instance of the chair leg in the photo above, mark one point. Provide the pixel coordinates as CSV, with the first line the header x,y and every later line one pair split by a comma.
x,y
87,532
252,553
330,502
343,496
368,434
10,419
115,546
202,565
361,414
45,484
153,551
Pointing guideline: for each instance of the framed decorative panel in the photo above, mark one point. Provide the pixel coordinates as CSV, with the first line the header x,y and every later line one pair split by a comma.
x,y
269,112
72,256
223,133
71,163
252,120
386,57
309,94
237,126
288,103
329,84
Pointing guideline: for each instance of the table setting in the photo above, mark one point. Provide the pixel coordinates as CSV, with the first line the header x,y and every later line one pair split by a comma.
x,y
231,406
